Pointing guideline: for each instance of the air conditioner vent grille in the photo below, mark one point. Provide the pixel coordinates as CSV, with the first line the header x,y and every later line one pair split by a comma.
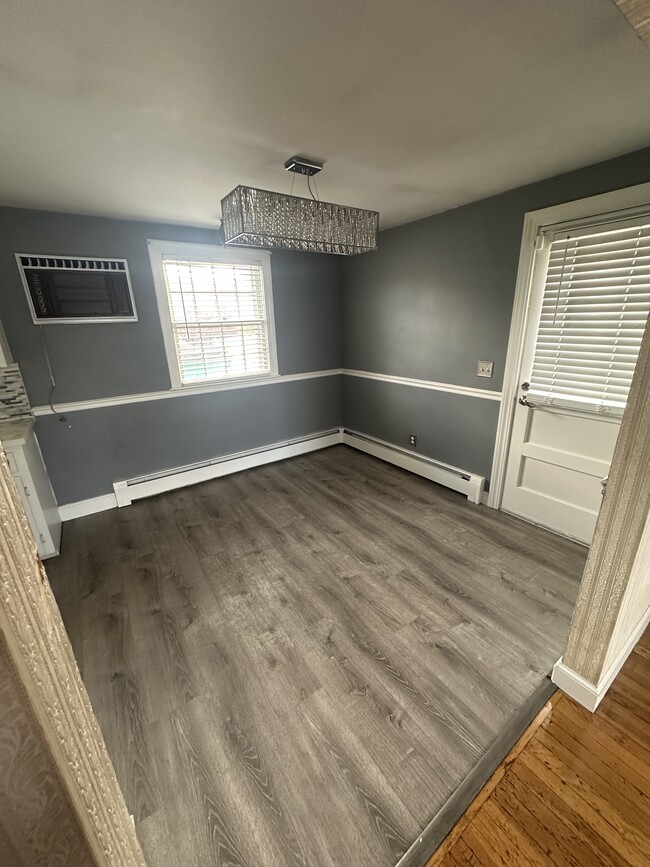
x,y
61,263
72,289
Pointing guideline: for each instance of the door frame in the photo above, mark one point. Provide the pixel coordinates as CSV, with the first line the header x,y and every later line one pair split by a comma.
x,y
55,699
604,203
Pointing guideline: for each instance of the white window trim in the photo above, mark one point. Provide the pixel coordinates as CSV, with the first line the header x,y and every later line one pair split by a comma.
x,y
582,210
208,252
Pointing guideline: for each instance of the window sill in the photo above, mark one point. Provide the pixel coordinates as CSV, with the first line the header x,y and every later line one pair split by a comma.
x,y
226,383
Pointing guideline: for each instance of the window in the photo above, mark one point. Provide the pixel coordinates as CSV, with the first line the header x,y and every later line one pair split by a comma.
x,y
594,310
216,312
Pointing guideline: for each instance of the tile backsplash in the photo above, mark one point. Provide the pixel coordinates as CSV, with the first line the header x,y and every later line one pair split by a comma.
x,y
13,397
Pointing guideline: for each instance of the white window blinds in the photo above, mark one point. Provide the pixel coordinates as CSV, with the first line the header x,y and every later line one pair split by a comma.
x,y
595,305
218,318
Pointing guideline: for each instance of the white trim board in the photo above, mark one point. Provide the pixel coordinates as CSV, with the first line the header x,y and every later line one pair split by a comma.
x,y
87,507
185,391
534,221
255,382
444,474
146,486
588,694
128,490
431,385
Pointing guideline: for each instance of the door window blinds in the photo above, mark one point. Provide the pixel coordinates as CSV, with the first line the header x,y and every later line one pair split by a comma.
x,y
218,318
594,309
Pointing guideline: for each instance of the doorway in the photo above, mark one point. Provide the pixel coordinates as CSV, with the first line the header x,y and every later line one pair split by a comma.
x,y
582,301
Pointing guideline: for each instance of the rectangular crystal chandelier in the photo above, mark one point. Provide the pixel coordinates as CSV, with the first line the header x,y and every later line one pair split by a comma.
x,y
261,218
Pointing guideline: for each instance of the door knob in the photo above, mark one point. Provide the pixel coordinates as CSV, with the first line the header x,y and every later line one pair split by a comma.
x,y
523,400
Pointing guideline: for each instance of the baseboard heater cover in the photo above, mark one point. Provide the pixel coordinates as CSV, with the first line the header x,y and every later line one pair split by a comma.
x,y
467,483
128,490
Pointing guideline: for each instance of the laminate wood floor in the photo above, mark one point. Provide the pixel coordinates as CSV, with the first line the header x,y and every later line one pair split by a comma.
x,y
298,664
575,790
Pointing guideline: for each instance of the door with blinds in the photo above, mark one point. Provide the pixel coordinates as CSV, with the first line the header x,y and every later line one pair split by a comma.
x,y
588,306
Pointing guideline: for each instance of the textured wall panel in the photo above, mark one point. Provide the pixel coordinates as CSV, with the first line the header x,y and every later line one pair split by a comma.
x,y
35,640
618,534
37,821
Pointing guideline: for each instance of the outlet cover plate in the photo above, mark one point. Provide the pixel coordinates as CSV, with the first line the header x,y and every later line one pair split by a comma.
x,y
484,368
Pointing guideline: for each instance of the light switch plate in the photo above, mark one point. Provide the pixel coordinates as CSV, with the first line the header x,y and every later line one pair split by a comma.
x,y
484,368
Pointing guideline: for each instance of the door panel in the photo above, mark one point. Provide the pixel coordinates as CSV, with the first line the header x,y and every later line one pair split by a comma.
x,y
552,481
556,462
558,455
567,431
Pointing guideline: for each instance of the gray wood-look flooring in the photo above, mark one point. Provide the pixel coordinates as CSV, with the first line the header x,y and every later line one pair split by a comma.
x,y
298,664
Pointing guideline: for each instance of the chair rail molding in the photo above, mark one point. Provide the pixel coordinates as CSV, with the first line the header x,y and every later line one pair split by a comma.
x,y
41,654
618,534
429,384
182,391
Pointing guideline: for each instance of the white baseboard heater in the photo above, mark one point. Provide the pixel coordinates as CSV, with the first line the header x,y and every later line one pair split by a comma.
x,y
179,477
470,484
444,474
128,490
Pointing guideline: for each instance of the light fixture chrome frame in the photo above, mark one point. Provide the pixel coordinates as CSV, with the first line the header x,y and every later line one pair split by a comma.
x,y
254,217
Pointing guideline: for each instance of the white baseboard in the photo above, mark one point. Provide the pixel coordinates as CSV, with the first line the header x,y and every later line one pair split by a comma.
x,y
87,507
590,695
180,477
570,682
128,490
125,492
444,474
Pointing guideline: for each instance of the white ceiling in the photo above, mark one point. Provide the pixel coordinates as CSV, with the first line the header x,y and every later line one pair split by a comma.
x,y
157,108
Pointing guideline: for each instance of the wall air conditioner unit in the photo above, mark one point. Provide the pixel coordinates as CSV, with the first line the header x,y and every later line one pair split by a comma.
x,y
65,289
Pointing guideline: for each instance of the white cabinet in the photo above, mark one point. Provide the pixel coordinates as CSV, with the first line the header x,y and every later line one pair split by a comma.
x,y
29,473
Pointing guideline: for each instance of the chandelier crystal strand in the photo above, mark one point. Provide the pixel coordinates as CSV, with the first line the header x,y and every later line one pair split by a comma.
x,y
261,218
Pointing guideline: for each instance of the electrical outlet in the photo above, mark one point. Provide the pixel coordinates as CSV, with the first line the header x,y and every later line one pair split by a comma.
x,y
413,440
484,368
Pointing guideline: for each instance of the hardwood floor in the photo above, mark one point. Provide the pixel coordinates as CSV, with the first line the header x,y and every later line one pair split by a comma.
x,y
574,791
298,664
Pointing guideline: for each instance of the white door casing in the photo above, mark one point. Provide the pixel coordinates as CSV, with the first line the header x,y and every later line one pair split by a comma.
x,y
541,431
557,456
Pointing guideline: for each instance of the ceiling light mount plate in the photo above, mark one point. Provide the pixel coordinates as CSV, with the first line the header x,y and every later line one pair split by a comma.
x,y
303,166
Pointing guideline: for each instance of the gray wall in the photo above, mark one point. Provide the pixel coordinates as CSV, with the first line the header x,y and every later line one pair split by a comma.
x,y
93,448
436,298
446,424
93,361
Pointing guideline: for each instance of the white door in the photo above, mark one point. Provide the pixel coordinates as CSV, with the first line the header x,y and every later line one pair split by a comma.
x,y
589,300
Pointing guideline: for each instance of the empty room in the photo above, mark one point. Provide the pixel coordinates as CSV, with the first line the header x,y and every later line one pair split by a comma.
x,y
325,427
